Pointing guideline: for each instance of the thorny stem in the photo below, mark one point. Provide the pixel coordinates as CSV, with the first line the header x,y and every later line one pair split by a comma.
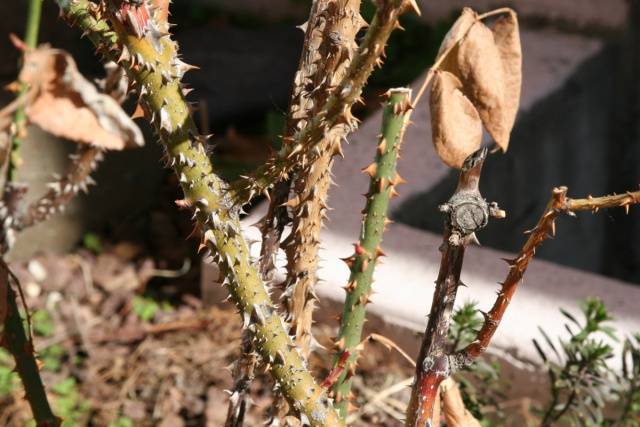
x,y
12,335
337,110
153,65
14,339
19,119
382,188
243,373
329,46
62,191
544,229
466,212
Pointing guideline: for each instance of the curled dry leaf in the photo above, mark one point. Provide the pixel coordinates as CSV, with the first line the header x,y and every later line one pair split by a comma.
x,y
507,37
478,64
488,62
455,413
62,102
457,31
455,122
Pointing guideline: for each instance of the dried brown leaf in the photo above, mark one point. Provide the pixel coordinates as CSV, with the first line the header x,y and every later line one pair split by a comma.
x,y
458,30
67,105
506,34
478,64
455,413
455,123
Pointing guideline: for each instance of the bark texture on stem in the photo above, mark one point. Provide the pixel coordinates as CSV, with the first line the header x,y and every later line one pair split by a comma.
x,y
545,228
153,66
328,49
382,187
17,341
310,142
465,212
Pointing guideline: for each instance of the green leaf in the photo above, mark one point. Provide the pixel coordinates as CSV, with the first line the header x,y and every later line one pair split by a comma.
x,y
64,387
42,323
145,308
92,242
122,422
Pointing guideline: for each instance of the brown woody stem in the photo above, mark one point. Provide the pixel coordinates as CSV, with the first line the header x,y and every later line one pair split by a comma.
x,y
60,193
309,143
544,229
17,341
466,211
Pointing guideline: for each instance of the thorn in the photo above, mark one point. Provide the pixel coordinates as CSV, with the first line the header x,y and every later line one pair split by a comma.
x,y
397,180
349,261
379,252
349,287
360,250
183,204
370,170
382,147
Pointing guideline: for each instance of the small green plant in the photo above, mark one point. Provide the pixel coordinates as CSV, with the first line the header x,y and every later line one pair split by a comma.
x,y
69,404
8,377
145,308
42,322
578,377
466,320
122,422
93,242
626,385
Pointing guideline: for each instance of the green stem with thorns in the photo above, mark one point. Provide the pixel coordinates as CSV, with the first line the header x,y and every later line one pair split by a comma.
x,y
13,335
156,71
384,178
20,118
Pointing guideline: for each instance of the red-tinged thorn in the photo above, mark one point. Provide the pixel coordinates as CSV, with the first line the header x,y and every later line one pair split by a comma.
x,y
183,203
393,193
360,250
379,252
18,43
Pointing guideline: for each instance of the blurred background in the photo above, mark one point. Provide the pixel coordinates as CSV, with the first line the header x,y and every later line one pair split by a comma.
x,y
578,126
